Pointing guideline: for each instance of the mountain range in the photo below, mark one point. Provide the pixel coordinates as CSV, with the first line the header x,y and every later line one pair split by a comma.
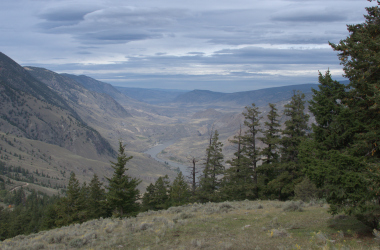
x,y
57,123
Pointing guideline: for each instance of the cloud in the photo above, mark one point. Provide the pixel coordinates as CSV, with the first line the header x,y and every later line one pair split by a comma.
x,y
109,25
211,44
310,16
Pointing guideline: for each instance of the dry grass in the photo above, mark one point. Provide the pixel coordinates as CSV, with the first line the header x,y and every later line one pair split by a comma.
x,y
227,225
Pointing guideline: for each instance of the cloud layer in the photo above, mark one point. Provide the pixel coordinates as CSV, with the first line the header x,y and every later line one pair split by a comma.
x,y
218,45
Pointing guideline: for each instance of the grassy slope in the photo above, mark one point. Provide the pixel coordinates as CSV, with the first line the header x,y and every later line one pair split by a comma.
x,y
58,163
229,225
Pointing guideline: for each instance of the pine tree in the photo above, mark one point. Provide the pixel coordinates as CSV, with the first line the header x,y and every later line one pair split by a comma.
x,y
295,127
250,149
157,195
270,152
96,199
179,191
349,167
334,127
209,182
237,182
68,208
288,172
271,136
122,193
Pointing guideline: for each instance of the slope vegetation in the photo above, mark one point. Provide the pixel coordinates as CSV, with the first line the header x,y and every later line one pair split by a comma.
x,y
228,225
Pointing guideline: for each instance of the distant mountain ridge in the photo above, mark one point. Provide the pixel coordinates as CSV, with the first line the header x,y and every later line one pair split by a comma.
x,y
260,97
151,96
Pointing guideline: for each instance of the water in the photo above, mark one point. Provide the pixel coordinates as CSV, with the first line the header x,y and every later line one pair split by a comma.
x,y
157,149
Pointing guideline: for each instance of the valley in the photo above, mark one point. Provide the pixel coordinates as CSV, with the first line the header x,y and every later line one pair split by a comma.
x,y
65,123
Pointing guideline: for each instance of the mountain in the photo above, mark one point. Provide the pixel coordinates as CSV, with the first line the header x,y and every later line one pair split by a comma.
x,y
97,86
151,96
260,97
50,125
15,78
32,110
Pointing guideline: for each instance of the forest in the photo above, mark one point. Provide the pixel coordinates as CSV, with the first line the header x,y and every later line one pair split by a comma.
x,y
337,159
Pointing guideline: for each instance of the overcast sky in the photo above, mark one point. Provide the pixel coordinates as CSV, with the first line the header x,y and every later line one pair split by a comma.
x,y
218,45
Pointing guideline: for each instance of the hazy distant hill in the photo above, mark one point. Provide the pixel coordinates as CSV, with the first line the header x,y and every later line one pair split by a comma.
x,y
97,86
151,96
260,97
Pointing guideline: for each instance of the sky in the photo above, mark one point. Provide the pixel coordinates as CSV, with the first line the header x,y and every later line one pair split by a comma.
x,y
218,45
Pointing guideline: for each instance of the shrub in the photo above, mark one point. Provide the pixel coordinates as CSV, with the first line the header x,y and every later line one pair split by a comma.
x,y
175,209
144,226
293,206
76,243
306,190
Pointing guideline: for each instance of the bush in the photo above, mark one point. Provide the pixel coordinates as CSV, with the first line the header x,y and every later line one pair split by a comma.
x,y
306,190
293,206
144,226
76,243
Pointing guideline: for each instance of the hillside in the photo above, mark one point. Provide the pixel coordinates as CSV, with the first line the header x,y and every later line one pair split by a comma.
x,y
32,110
151,96
75,111
49,127
260,97
227,225
97,86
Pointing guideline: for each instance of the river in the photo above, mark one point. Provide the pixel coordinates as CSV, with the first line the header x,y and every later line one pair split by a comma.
x,y
157,149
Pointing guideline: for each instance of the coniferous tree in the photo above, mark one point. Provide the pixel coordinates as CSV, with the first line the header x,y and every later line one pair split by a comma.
x,y
122,193
250,149
270,152
288,172
179,191
69,207
209,181
237,180
157,195
355,159
147,200
96,199
271,136
333,129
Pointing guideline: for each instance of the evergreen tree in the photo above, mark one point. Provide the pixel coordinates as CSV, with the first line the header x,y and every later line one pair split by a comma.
x,y
334,127
349,165
179,191
295,127
147,200
270,153
157,195
288,172
69,208
271,136
250,149
96,199
209,182
237,182
122,193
